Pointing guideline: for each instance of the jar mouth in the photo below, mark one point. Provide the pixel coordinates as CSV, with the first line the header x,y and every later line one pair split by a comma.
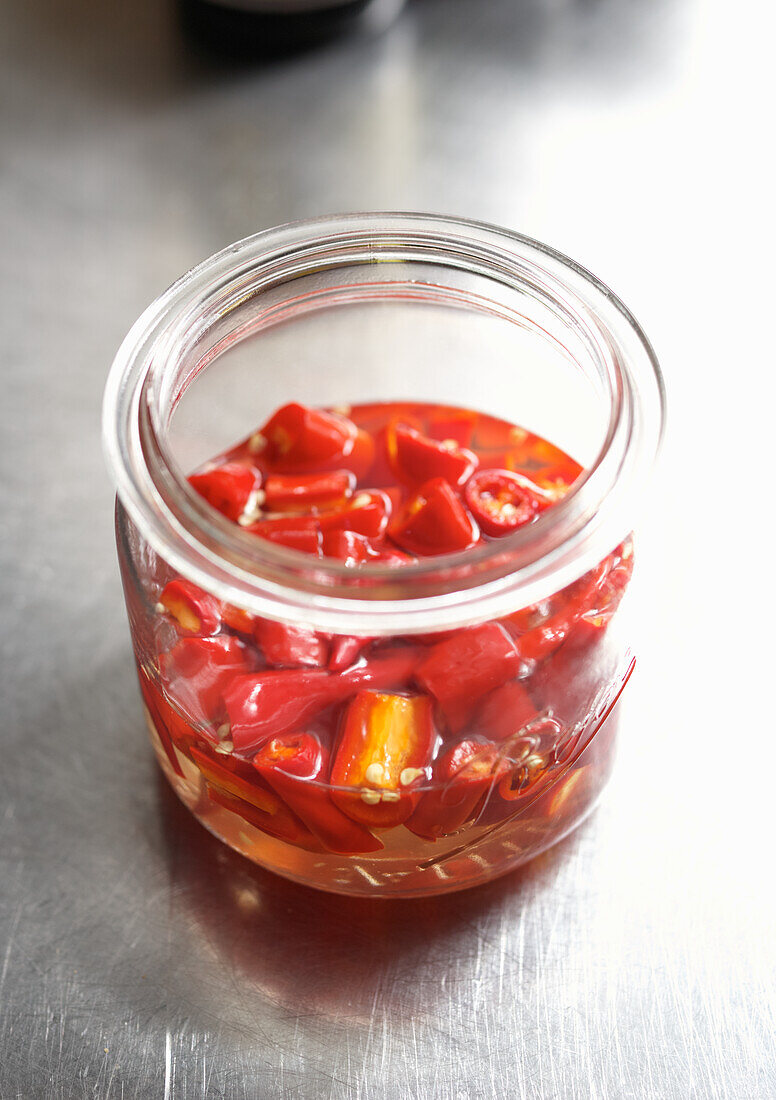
x,y
154,366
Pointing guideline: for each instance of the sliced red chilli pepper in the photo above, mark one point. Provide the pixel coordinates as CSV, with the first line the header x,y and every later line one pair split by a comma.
x,y
391,669
383,471
348,547
501,501
462,777
354,549
555,616
459,671
590,625
273,817
540,460
181,731
196,671
505,711
193,610
493,434
159,709
345,650
203,659
362,456
301,440
236,618
395,494
296,532
434,521
454,424
535,614
583,636
281,826
523,779
533,756
269,704
366,514
515,448
392,557
303,492
613,587
296,767
418,458
290,646
228,488
541,641
306,542
569,682
226,778
386,744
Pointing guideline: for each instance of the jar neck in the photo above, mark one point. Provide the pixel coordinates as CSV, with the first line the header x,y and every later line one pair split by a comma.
x,y
199,318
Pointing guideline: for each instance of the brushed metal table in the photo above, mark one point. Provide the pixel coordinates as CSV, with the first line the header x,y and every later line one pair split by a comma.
x,y
138,957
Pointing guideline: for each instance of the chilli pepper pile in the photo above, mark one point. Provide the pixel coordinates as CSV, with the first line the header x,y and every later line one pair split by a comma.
x,y
327,741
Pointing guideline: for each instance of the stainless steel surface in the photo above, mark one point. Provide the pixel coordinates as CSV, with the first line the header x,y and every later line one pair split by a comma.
x,y
138,958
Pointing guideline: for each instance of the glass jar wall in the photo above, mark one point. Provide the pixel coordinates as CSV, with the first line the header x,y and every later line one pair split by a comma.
x,y
426,727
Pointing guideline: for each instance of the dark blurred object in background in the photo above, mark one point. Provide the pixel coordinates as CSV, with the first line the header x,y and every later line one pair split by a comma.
x,y
267,28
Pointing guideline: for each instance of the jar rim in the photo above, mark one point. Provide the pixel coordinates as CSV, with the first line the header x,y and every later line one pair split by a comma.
x,y
435,593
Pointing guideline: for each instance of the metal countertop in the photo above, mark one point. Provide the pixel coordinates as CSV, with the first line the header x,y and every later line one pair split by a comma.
x,y
140,958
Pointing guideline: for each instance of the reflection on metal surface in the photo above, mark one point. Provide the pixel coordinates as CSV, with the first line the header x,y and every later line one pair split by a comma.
x,y
321,954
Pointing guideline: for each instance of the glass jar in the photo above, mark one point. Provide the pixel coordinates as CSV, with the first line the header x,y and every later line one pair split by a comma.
x,y
365,308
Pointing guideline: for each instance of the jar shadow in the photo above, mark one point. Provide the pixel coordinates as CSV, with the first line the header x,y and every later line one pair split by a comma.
x,y
328,954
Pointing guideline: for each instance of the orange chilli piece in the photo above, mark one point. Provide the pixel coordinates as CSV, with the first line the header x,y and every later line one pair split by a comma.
x,y
386,745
